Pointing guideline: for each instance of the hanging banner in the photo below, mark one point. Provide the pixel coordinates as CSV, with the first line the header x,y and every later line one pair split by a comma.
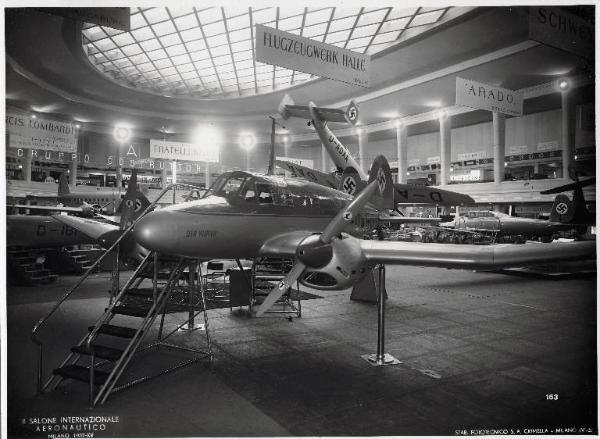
x,y
117,18
26,132
284,49
488,97
161,149
563,30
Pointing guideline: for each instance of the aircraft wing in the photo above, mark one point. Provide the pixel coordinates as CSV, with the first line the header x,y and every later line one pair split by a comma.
x,y
412,194
409,220
308,174
302,111
94,229
473,256
283,245
52,208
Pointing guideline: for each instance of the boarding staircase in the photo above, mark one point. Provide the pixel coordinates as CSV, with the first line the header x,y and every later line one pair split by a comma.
x,y
27,266
81,257
102,355
266,273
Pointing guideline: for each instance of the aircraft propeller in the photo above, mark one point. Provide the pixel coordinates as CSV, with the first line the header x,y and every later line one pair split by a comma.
x,y
316,250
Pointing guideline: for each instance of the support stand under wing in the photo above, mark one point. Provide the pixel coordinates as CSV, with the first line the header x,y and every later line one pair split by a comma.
x,y
381,358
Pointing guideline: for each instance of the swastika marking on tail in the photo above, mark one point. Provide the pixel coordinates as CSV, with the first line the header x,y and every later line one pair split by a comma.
x,y
381,180
561,208
349,185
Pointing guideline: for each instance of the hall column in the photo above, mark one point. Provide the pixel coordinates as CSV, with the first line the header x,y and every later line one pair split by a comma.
x,y
362,134
445,148
402,149
565,134
163,175
499,143
323,158
73,171
207,176
27,163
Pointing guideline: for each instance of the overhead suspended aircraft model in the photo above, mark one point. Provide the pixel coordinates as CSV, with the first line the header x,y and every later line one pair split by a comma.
x,y
354,177
246,215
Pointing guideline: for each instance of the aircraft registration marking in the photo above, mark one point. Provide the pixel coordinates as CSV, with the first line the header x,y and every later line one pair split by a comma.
x,y
339,148
42,230
200,233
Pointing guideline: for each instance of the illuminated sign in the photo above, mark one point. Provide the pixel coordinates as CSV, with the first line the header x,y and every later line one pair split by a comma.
x,y
302,162
547,146
433,160
303,54
517,149
471,156
472,175
36,133
561,29
488,97
161,149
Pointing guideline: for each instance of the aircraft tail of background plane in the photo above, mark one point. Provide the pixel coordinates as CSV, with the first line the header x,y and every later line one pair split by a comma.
x,y
351,183
133,204
63,185
571,211
380,171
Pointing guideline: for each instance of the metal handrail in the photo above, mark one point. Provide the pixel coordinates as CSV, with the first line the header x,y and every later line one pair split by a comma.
x,y
65,296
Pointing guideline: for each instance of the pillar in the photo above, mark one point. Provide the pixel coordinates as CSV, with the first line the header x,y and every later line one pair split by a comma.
x,y
207,175
163,175
565,138
73,173
362,140
323,159
445,148
27,163
499,143
118,170
402,149
536,168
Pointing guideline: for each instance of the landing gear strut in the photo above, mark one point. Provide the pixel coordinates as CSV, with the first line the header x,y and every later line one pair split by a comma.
x,y
381,358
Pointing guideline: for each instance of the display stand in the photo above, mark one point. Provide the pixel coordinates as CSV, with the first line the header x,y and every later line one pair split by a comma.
x,y
381,358
195,286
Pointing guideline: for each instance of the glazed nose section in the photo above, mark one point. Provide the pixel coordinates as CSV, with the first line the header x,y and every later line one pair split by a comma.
x,y
157,231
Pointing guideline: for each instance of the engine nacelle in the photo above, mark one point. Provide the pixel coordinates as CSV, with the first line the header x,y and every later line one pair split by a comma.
x,y
346,266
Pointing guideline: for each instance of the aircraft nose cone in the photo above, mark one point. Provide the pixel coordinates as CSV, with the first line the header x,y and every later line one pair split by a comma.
x,y
157,231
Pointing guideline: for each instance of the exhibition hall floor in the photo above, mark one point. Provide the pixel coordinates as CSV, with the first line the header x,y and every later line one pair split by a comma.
x,y
480,351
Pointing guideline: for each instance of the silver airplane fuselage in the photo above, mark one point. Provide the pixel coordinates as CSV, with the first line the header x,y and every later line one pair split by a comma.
x,y
236,223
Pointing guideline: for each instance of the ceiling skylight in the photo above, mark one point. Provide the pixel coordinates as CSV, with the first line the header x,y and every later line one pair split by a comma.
x,y
208,52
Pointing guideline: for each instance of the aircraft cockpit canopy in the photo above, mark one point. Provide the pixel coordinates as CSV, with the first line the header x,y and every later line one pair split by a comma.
x,y
243,187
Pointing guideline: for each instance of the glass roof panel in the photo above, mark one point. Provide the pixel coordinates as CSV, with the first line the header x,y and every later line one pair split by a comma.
x,y
177,48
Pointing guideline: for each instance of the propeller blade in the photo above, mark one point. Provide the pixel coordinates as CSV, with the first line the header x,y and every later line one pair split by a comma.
x,y
281,288
341,220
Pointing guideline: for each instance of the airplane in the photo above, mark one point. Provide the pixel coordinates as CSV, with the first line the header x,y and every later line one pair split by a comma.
x,y
565,215
85,208
88,202
246,215
62,230
352,182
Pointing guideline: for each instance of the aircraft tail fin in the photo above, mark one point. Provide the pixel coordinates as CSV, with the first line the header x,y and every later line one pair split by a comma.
x,y
133,204
351,182
384,196
287,109
63,184
571,211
